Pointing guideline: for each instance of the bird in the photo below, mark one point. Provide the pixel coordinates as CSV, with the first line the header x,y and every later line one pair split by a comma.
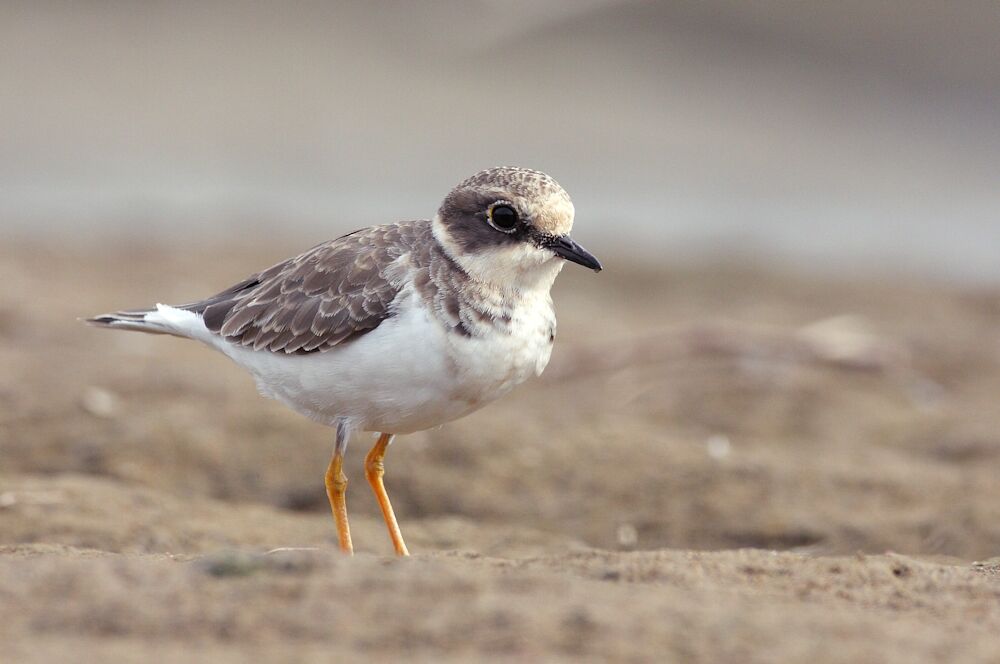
x,y
396,328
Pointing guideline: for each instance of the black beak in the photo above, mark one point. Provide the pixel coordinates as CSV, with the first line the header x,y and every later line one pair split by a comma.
x,y
565,247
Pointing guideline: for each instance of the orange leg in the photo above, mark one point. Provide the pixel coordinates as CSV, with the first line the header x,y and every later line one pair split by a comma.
x,y
336,491
374,470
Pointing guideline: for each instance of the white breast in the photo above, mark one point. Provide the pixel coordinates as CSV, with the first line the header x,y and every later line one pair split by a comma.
x,y
489,366
408,374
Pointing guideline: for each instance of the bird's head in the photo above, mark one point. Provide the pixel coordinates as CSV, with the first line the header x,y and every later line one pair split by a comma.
x,y
510,226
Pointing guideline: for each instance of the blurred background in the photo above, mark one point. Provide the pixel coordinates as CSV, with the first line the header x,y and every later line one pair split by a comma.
x,y
795,344
863,133
797,204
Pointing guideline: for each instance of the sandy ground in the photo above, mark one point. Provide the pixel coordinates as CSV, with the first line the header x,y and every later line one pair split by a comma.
x,y
721,465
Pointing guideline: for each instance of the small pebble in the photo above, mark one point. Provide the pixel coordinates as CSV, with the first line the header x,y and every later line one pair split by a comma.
x,y
628,536
99,402
718,446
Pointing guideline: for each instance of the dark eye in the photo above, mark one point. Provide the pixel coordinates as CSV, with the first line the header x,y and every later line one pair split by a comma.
x,y
503,217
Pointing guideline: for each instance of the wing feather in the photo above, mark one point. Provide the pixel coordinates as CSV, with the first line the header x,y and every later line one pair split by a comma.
x,y
330,294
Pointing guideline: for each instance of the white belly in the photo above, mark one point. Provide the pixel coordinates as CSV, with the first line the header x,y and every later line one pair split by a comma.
x,y
407,375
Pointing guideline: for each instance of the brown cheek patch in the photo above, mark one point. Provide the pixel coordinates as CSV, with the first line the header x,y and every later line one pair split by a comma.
x,y
474,235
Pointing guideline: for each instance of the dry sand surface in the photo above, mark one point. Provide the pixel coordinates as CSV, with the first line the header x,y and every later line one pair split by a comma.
x,y
721,465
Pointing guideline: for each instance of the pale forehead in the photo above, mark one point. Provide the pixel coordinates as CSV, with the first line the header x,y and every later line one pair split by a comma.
x,y
537,194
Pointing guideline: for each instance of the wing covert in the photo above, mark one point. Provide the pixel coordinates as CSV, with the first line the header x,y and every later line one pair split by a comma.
x,y
330,294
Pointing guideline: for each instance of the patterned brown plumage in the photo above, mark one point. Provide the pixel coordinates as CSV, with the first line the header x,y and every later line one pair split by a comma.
x,y
333,292
346,287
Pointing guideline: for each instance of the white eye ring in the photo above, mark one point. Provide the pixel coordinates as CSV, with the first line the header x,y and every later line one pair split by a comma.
x,y
503,216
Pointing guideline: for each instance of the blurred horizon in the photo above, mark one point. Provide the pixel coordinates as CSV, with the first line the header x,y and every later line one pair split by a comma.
x,y
855,135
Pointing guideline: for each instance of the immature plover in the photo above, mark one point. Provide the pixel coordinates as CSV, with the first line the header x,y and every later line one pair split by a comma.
x,y
397,328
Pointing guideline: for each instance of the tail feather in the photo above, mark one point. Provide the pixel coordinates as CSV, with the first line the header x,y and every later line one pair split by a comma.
x,y
161,320
127,320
